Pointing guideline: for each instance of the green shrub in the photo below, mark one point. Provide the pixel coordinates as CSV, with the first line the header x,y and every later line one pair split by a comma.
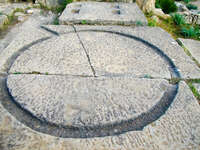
x,y
186,1
191,6
178,19
168,6
190,32
157,4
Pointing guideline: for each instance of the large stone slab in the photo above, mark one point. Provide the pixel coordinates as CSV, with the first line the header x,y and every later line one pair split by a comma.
x,y
76,101
156,37
178,128
58,55
102,13
193,46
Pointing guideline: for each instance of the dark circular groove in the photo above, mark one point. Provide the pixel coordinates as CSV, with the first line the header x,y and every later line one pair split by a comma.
x,y
116,128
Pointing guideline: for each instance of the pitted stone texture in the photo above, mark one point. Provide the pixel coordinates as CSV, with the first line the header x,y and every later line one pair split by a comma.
x,y
179,128
193,46
58,55
159,38
112,54
28,33
102,13
76,101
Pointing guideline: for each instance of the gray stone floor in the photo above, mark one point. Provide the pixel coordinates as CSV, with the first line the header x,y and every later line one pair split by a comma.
x,y
75,87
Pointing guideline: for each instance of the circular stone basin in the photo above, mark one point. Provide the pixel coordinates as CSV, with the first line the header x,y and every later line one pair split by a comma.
x,y
73,91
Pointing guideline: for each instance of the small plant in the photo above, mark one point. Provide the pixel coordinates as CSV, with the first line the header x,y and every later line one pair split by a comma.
x,y
168,6
147,76
190,32
152,23
178,19
19,10
17,73
193,89
46,73
191,6
35,72
83,22
1,13
139,23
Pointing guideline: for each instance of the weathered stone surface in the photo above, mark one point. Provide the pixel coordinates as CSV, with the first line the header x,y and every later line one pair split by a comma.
x,y
28,33
146,5
119,55
59,55
155,36
193,46
102,13
77,101
178,128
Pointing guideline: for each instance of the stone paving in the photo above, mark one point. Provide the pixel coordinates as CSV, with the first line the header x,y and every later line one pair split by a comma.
x,y
102,13
74,87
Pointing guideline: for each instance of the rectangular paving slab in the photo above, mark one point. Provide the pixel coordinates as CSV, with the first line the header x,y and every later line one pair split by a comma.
x,y
102,13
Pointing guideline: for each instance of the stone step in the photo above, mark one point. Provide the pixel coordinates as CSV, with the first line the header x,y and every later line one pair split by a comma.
x,y
102,13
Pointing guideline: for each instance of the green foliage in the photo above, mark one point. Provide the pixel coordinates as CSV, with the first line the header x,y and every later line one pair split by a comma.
x,y
139,23
191,6
186,1
190,32
63,5
157,4
152,23
83,22
178,19
19,10
17,73
147,76
193,89
168,6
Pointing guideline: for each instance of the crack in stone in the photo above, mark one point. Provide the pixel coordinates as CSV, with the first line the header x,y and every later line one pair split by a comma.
x,y
88,57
